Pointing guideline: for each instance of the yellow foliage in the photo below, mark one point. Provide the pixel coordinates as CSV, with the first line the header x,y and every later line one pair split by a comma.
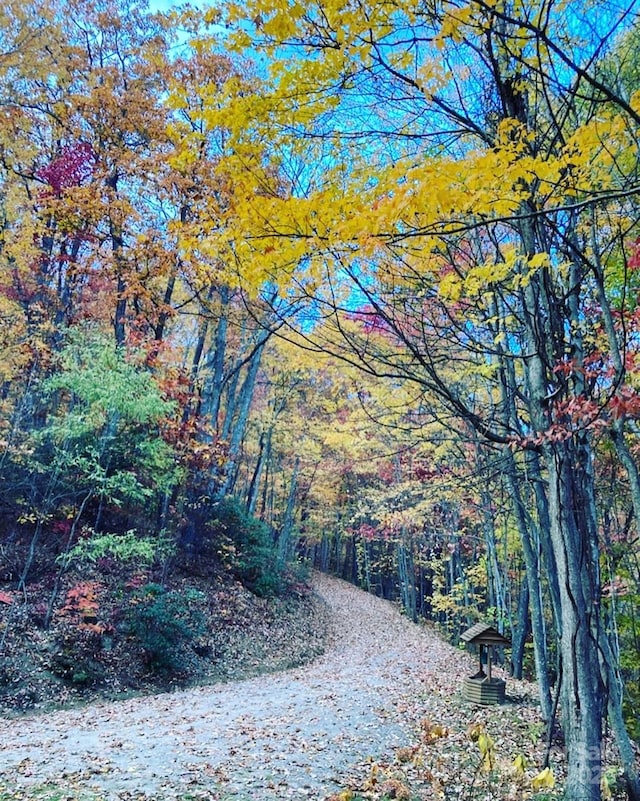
x,y
344,795
544,780
373,778
453,26
519,765
433,731
608,783
451,286
485,746
282,25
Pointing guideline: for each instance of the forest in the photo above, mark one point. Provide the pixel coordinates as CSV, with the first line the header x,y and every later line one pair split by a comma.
x,y
350,285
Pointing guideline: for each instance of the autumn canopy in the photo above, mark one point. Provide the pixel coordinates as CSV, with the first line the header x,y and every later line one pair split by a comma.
x,y
370,269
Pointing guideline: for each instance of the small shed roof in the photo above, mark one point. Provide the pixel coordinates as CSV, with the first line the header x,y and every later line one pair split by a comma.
x,y
483,634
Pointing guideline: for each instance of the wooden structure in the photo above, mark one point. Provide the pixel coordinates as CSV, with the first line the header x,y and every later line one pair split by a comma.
x,y
483,688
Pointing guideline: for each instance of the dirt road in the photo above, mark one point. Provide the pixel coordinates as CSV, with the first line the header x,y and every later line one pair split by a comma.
x,y
293,735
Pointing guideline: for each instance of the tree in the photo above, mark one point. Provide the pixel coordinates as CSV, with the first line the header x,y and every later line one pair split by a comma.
x,y
479,187
98,454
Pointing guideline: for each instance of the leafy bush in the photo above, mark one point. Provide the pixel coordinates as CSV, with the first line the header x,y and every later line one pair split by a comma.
x,y
246,545
123,548
164,622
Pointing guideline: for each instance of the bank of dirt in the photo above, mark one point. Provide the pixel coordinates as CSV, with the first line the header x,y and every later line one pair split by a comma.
x,y
379,712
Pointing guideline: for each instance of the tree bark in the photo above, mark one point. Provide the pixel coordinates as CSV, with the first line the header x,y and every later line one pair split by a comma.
x,y
532,565
264,447
406,575
238,425
572,533
582,687
520,632
284,535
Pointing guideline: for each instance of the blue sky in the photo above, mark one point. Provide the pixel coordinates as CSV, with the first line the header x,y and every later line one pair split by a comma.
x,y
165,5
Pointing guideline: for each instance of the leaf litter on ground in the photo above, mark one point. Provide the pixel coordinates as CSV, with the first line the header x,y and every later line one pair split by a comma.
x,y
379,716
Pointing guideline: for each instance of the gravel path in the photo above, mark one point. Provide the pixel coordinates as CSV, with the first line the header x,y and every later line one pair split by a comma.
x,y
293,735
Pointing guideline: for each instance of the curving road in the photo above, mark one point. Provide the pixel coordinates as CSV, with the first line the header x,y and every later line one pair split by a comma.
x,y
294,735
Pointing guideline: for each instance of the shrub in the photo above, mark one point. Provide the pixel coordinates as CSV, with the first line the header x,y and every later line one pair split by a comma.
x,y
246,545
164,623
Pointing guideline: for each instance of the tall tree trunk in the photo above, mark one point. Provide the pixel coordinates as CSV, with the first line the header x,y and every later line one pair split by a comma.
x,y
164,315
284,535
582,687
264,449
532,565
609,657
496,580
117,247
534,475
214,383
615,692
120,313
238,426
407,581
520,632
572,536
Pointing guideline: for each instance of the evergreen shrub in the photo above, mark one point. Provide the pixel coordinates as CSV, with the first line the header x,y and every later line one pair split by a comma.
x,y
246,545
164,622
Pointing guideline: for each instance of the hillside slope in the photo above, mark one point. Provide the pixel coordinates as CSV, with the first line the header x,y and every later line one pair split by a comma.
x,y
191,630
